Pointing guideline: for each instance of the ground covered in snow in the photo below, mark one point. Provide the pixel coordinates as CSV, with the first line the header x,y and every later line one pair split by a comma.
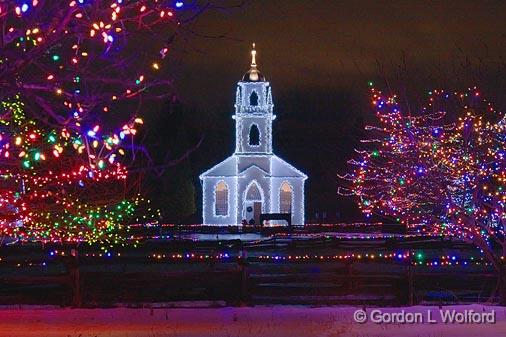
x,y
277,321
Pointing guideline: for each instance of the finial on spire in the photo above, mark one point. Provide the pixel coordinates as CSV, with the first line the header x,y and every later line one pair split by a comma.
x,y
253,74
253,56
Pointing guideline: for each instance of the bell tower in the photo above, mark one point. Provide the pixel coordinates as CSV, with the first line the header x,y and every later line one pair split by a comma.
x,y
253,112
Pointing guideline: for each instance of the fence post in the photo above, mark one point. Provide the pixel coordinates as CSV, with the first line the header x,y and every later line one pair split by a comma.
x,y
243,265
349,272
411,286
75,278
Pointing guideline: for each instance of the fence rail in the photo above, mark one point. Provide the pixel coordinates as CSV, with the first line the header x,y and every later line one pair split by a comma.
x,y
241,282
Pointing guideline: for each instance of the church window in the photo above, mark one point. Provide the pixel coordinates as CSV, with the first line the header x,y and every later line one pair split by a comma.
x,y
285,198
253,99
254,135
221,199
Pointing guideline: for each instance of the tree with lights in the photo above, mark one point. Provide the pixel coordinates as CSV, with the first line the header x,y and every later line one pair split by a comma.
x,y
443,167
70,71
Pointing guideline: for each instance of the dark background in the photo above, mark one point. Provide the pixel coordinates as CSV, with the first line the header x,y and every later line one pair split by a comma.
x,y
319,57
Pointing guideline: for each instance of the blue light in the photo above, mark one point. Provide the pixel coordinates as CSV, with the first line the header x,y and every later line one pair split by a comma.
x,y
179,4
24,7
91,133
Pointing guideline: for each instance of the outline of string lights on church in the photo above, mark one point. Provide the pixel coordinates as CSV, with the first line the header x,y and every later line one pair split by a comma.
x,y
253,180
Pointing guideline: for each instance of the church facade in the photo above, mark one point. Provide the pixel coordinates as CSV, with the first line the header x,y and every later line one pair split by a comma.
x,y
253,180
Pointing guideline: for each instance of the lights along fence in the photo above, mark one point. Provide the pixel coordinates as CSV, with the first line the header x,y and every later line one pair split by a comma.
x,y
136,281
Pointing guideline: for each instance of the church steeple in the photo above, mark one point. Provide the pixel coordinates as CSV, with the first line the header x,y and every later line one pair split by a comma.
x,y
253,112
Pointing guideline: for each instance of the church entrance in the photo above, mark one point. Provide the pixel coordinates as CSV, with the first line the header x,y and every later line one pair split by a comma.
x,y
252,204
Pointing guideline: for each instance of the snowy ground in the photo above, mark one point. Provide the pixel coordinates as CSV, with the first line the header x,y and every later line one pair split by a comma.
x,y
278,321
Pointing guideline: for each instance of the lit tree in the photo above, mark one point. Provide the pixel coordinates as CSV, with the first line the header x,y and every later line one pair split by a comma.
x,y
443,167
70,71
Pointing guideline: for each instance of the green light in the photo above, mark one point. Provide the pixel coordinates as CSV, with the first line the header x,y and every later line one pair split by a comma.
x,y
36,156
26,163
56,58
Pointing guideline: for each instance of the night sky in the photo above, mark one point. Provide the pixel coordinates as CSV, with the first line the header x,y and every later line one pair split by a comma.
x,y
319,57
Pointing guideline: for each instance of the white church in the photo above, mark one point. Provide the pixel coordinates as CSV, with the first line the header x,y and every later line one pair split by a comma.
x,y
253,180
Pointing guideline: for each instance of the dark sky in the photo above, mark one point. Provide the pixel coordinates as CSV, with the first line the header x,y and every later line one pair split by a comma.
x,y
319,56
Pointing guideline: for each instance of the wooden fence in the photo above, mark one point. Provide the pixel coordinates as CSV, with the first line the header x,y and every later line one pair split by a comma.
x,y
238,283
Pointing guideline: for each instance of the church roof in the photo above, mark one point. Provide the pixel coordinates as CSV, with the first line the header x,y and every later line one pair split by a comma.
x,y
226,168
278,168
281,168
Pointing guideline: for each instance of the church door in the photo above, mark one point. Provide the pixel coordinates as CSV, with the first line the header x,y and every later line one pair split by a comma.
x,y
252,204
257,210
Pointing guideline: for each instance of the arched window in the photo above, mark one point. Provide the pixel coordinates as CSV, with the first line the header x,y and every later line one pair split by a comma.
x,y
254,193
253,99
254,135
221,199
285,198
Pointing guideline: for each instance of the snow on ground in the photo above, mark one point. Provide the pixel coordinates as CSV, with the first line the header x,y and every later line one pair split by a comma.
x,y
277,321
